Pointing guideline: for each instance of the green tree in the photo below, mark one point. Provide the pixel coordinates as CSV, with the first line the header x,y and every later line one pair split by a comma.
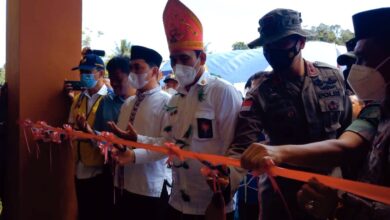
x,y
87,35
336,29
345,36
86,38
330,34
100,33
239,45
123,48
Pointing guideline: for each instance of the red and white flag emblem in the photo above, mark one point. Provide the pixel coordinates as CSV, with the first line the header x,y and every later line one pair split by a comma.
x,y
246,105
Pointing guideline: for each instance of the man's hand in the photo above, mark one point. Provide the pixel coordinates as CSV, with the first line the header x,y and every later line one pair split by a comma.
x,y
123,158
217,177
318,199
82,124
257,157
68,90
129,134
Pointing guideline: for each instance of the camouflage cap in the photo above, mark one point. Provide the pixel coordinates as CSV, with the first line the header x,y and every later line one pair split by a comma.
x,y
277,24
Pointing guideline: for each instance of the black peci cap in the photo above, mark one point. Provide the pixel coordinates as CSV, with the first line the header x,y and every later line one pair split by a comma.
x,y
147,54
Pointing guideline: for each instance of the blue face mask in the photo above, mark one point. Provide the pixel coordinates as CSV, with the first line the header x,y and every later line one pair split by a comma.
x,y
88,80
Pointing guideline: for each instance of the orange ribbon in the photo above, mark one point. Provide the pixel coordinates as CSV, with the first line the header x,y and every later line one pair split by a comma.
x,y
369,191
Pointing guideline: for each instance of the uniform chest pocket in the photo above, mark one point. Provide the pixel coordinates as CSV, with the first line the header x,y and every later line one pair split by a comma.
x,y
283,112
331,109
205,126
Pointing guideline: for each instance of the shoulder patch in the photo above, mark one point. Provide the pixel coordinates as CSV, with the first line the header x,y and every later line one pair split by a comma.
x,y
267,73
247,105
319,64
327,70
264,77
312,71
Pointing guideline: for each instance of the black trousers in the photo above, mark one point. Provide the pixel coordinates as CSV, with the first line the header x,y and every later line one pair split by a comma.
x,y
131,206
248,211
95,197
173,214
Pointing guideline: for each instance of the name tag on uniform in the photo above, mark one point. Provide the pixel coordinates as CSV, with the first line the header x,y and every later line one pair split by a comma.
x,y
246,105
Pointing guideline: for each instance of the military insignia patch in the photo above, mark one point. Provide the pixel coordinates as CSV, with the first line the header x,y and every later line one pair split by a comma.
x,y
246,105
311,70
205,128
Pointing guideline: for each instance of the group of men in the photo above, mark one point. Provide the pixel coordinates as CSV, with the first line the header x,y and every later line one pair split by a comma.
x,y
298,102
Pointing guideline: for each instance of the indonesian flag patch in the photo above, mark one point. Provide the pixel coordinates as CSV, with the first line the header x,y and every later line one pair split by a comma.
x,y
247,105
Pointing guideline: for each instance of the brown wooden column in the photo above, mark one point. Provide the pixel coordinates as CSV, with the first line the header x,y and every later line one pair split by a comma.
x,y
43,44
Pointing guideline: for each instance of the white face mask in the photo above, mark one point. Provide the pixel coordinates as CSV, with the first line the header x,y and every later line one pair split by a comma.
x,y
368,83
138,81
185,75
171,91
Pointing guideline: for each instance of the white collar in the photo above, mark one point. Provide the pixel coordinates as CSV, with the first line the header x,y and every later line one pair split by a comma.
x,y
149,92
202,81
102,91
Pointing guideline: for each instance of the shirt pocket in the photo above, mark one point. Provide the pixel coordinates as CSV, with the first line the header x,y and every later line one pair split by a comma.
x,y
331,109
205,126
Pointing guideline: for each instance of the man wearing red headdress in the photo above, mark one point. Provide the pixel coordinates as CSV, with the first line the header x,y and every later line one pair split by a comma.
x,y
202,114
201,118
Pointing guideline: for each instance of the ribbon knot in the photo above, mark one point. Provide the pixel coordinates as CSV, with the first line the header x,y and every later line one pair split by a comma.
x,y
173,151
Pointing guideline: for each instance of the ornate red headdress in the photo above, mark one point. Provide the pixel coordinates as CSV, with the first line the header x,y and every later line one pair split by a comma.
x,y
182,28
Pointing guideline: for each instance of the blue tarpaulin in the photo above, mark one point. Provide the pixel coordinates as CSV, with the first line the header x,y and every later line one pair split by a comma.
x,y
234,66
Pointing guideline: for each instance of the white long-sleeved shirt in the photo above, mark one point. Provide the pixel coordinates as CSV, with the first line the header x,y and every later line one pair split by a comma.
x,y
147,175
200,120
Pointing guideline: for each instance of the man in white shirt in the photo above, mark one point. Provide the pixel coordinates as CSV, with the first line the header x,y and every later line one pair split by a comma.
x,y
201,116
146,174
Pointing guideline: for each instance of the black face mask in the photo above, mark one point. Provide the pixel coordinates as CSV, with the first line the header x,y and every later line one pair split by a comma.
x,y
281,59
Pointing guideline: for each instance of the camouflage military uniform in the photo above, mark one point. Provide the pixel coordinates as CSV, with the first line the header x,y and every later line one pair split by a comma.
x,y
373,125
304,110
365,125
